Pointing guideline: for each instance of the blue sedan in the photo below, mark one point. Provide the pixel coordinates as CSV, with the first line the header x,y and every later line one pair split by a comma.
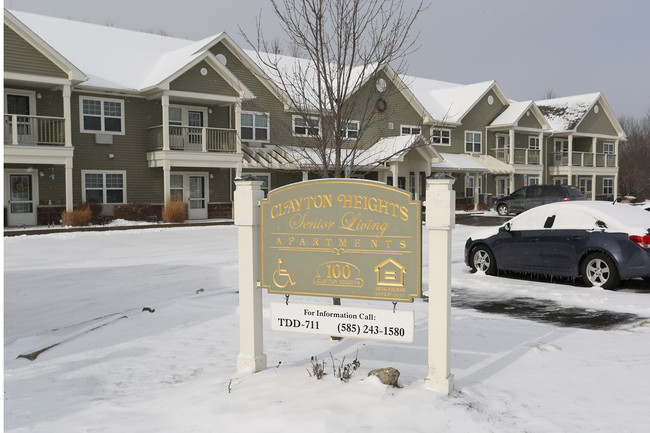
x,y
600,242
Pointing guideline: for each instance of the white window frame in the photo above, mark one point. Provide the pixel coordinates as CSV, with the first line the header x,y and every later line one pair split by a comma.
x,y
254,127
345,133
437,134
533,142
608,186
473,143
185,109
102,116
307,127
532,180
608,148
410,130
560,181
104,188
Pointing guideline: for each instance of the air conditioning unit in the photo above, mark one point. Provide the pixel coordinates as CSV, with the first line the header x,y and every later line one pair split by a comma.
x,y
103,139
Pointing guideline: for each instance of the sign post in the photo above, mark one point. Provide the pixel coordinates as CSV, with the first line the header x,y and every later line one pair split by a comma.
x,y
439,222
247,218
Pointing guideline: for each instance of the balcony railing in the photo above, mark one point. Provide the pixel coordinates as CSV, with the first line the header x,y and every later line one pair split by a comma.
x,y
194,139
34,130
583,159
522,155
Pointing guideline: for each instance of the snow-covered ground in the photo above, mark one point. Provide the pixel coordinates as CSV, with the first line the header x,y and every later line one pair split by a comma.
x,y
118,368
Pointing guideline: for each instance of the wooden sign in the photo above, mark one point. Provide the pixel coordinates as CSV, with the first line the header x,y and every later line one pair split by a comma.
x,y
344,238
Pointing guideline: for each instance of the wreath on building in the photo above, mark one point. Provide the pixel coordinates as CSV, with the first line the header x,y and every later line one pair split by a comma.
x,y
381,105
20,186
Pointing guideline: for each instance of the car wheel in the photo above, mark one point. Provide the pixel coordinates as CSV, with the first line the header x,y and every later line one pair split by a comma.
x,y
483,260
599,270
502,209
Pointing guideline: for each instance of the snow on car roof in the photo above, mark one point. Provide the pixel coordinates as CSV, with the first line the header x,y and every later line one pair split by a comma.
x,y
583,214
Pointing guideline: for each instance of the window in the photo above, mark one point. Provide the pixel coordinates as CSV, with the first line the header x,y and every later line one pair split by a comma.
x,y
533,180
255,126
104,187
585,186
305,127
102,115
265,178
608,148
469,187
176,187
441,136
472,142
533,143
352,130
608,186
411,130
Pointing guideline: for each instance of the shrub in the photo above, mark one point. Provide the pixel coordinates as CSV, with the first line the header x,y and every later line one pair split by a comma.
x,y
136,212
76,218
175,211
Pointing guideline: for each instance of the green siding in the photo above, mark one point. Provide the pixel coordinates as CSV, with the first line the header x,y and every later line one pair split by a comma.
x,y
597,123
476,120
21,57
194,81
529,121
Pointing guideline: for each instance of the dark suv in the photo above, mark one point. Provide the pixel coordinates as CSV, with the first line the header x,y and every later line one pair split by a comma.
x,y
532,196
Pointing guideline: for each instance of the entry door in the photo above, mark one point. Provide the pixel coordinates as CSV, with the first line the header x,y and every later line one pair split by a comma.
x,y
19,105
198,206
195,130
21,208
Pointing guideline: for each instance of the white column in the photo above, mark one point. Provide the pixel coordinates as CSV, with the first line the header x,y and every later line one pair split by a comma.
x,y
248,194
68,185
511,145
305,175
67,115
440,220
395,172
165,117
166,181
238,125
541,154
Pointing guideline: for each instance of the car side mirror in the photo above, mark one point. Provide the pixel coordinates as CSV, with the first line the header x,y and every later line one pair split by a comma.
x,y
506,227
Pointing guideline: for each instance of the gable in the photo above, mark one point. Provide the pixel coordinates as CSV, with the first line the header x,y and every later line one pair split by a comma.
x,y
22,57
483,112
212,82
597,122
529,120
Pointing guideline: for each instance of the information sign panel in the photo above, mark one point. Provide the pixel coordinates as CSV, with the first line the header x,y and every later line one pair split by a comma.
x,y
345,238
344,321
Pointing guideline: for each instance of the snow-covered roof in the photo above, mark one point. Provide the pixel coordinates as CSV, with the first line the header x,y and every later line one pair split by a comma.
x,y
565,114
515,111
448,102
458,162
121,59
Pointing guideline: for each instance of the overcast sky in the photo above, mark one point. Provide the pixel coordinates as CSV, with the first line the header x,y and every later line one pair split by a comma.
x,y
530,47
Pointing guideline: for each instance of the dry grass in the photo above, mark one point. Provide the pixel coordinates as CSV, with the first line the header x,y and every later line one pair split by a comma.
x,y
175,211
77,218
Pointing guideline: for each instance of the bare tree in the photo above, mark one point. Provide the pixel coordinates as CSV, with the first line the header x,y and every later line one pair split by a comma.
x,y
339,50
634,157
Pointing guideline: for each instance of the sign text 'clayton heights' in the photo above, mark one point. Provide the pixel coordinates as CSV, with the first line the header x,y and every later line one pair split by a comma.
x,y
342,238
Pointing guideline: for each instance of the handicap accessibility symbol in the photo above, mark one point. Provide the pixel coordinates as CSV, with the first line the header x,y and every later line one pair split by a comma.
x,y
282,273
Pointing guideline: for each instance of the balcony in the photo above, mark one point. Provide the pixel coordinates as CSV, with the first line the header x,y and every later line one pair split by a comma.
x,y
583,159
194,139
522,155
34,130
